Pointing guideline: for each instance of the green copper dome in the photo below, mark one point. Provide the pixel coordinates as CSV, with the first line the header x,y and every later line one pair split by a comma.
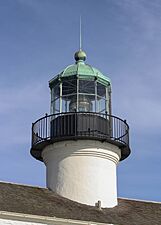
x,y
81,70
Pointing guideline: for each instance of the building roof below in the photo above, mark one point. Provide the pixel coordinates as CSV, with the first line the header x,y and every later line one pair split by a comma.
x,y
41,201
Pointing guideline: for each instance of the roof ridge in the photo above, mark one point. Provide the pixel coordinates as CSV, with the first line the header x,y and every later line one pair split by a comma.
x,y
139,200
19,184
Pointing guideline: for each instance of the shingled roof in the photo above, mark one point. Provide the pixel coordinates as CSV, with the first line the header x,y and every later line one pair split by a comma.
x,y
43,202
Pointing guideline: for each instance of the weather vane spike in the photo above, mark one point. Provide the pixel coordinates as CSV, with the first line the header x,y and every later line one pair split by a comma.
x,y
80,33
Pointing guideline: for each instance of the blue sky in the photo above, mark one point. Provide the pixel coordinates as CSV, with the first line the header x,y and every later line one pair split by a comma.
x,y
38,38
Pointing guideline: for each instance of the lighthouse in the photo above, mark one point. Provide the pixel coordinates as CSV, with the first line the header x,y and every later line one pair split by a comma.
x,y
81,142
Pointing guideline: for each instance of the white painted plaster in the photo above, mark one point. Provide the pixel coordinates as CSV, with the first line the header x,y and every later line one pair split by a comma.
x,y
83,171
16,222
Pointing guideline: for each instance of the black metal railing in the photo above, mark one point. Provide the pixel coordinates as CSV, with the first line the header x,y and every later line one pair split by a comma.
x,y
77,125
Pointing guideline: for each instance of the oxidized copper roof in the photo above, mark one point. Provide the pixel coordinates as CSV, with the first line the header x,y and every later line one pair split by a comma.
x,y
81,69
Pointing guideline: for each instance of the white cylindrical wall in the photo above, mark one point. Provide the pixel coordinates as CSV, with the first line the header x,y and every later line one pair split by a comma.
x,y
83,171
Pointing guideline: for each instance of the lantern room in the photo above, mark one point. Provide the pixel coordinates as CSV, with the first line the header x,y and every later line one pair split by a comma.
x,y
80,88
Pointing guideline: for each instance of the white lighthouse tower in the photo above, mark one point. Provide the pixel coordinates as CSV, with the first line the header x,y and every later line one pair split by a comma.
x,y
81,142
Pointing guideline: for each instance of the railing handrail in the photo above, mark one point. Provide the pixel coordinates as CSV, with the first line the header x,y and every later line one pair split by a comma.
x,y
93,113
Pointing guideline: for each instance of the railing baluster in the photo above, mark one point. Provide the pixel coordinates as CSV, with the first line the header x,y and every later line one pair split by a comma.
x,y
67,128
75,123
46,125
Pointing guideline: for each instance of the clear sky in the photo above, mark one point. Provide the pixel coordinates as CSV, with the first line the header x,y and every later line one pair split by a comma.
x,y
38,38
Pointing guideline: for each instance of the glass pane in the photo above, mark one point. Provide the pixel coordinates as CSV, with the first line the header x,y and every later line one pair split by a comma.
x,y
86,86
101,90
85,103
93,106
101,104
69,86
52,94
65,103
55,105
56,91
73,103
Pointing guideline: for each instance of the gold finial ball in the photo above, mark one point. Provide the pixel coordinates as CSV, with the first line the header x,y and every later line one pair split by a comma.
x,y
80,56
